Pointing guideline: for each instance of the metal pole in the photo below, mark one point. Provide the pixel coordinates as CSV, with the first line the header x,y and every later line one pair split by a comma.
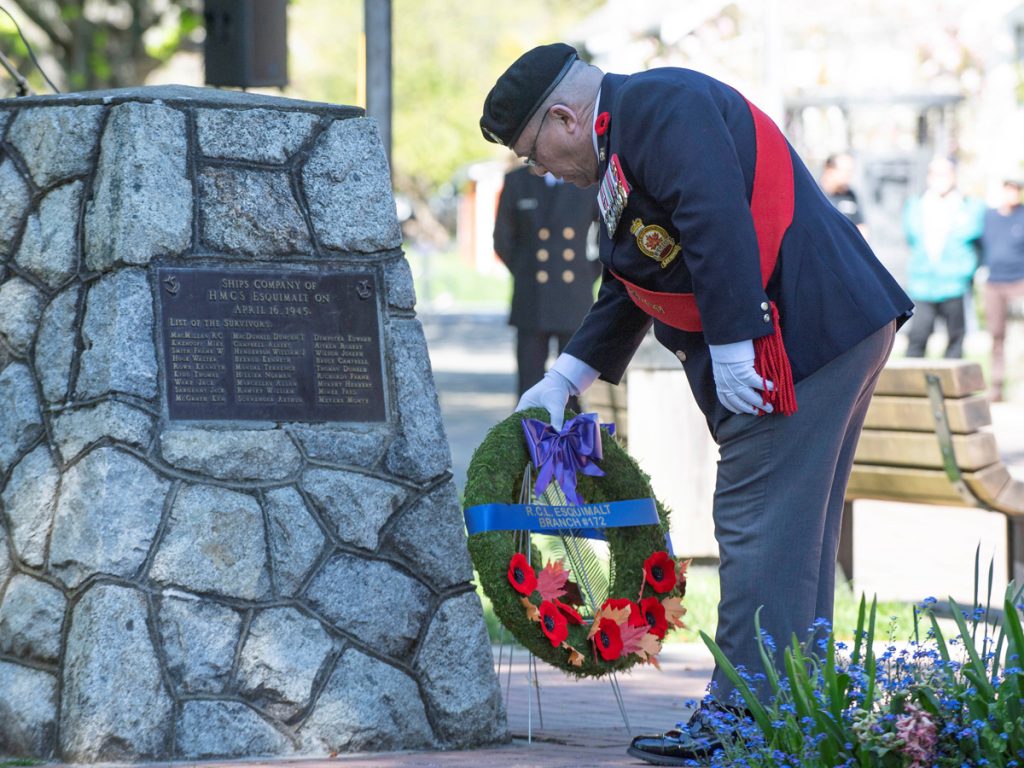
x,y
377,24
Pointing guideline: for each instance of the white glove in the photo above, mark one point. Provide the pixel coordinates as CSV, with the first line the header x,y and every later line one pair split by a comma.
x,y
739,385
568,376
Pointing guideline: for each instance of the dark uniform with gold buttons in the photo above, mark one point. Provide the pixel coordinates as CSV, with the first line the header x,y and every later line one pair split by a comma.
x,y
541,235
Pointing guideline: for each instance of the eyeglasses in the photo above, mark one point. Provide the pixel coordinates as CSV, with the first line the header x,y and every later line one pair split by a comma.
x,y
530,161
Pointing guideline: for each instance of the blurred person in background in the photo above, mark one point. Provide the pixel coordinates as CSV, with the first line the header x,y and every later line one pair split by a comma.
x,y
836,177
1002,249
541,234
943,229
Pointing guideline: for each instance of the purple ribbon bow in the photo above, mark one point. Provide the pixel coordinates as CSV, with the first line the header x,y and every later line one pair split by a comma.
x,y
560,455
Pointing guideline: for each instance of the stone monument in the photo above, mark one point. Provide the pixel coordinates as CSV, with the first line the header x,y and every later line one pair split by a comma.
x,y
229,526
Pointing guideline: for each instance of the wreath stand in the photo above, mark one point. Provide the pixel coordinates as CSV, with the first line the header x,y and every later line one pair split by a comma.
x,y
571,545
624,628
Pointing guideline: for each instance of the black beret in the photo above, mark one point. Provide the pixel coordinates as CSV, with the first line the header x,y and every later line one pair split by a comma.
x,y
521,91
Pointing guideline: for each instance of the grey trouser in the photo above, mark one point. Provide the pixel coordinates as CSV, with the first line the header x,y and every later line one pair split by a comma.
x,y
998,297
779,504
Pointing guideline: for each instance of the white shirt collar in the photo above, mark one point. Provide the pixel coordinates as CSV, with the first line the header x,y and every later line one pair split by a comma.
x,y
593,128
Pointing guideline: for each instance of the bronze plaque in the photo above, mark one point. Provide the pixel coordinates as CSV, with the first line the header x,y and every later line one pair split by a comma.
x,y
271,346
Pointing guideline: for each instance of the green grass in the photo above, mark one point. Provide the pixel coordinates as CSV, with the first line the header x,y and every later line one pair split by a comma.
x,y
444,278
701,601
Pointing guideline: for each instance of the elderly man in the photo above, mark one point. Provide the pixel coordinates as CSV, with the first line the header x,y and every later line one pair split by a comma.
x,y
715,232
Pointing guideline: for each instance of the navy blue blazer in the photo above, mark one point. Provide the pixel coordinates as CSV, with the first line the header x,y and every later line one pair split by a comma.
x,y
686,145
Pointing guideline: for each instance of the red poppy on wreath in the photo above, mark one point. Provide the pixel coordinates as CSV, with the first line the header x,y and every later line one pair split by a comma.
x,y
553,623
654,616
571,614
660,571
636,617
521,575
608,639
601,124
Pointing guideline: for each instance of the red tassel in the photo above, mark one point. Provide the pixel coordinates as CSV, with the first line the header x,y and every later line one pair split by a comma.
x,y
771,361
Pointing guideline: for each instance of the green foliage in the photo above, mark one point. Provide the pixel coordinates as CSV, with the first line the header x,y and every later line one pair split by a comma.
x,y
326,67
447,55
100,44
938,703
444,278
169,40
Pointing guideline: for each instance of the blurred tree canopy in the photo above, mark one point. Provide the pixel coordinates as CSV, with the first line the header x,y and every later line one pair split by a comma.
x,y
446,56
99,43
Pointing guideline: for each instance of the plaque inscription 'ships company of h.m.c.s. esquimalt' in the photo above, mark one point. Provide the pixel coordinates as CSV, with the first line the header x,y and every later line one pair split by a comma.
x,y
275,346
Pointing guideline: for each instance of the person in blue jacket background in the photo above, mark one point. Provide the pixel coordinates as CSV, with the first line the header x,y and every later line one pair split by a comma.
x,y
943,229
779,312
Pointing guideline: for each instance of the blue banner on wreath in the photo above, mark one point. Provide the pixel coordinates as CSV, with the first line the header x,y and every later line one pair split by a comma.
x,y
582,519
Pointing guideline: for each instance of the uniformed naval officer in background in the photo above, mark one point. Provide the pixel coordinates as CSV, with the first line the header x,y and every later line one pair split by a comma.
x,y
714,230
541,233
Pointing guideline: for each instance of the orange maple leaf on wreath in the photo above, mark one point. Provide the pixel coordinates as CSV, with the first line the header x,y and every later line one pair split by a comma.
x,y
619,615
674,611
651,646
532,611
681,574
575,657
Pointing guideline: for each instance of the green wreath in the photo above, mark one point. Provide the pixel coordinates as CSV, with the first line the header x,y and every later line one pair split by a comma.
x,y
637,564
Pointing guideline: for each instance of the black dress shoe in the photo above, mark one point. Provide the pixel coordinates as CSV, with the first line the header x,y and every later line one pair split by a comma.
x,y
675,747
696,741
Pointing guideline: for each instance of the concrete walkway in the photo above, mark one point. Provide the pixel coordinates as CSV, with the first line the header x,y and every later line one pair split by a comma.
x,y
473,360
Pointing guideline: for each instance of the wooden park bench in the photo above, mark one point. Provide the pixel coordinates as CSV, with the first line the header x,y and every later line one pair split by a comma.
x,y
927,439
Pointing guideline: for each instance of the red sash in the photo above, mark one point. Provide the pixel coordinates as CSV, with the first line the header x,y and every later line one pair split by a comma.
x,y
771,206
